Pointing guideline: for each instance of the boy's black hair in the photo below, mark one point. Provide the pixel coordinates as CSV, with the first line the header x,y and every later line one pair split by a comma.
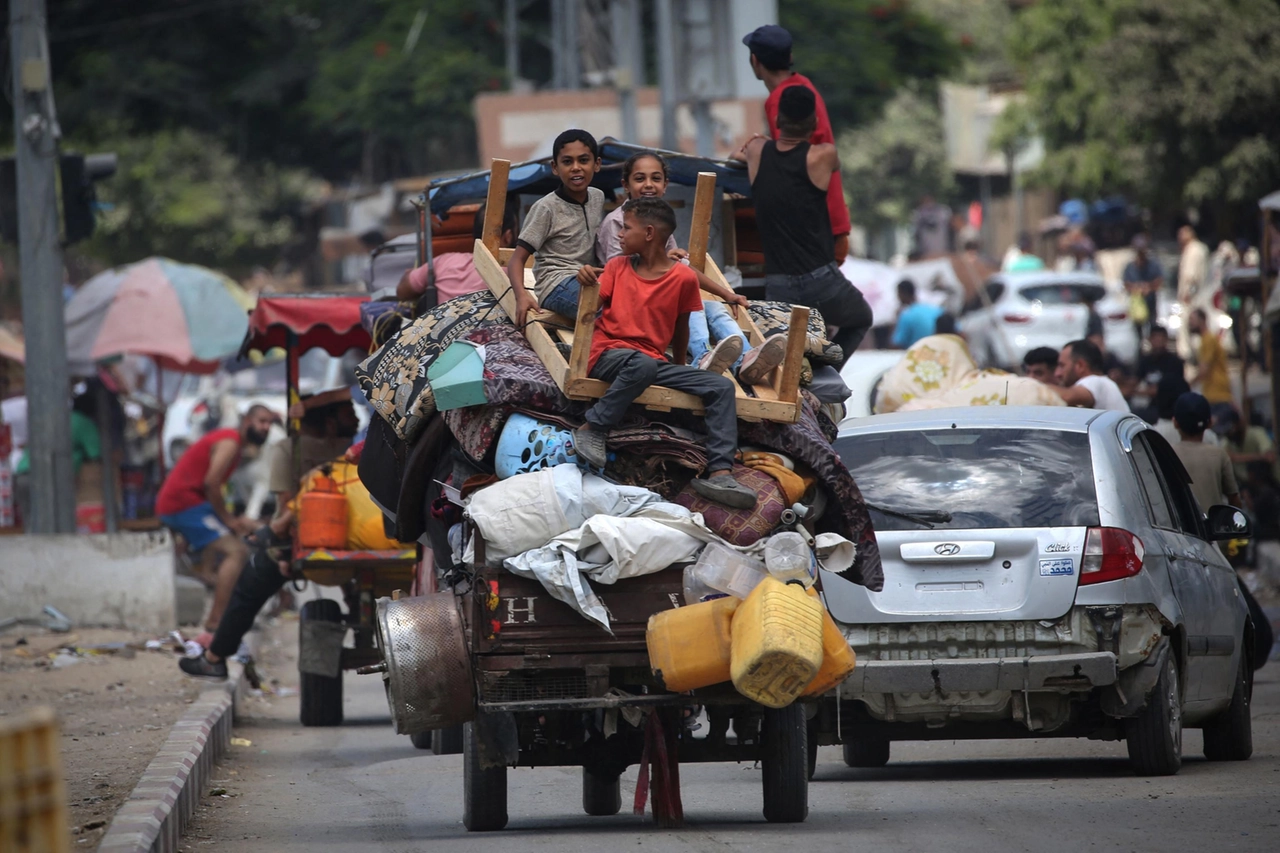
x,y
907,290
508,219
575,135
629,165
1048,356
655,212
945,325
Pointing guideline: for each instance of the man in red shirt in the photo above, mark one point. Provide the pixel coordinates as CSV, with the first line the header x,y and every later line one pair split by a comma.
x,y
646,299
770,48
190,502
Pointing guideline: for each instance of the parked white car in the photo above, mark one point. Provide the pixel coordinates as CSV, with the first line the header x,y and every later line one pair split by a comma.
x,y
1044,309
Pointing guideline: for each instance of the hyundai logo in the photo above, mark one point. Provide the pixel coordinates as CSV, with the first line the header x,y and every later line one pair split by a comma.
x,y
947,549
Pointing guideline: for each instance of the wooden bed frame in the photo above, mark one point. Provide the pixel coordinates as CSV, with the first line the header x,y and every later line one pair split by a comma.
x,y
774,400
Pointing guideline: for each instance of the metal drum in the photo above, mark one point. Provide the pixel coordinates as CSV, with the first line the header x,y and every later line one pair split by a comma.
x,y
427,671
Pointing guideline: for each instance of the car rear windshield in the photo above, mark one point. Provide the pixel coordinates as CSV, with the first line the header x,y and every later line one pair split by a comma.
x,y
1063,293
984,478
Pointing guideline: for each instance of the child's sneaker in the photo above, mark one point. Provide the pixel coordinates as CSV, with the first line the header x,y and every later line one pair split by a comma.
x,y
591,446
721,357
725,490
757,363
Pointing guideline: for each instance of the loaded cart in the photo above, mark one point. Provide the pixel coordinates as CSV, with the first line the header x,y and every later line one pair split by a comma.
x,y
299,323
607,618
540,686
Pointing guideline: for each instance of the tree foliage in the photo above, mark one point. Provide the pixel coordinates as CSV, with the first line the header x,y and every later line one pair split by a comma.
x,y
859,53
1174,101
180,193
889,164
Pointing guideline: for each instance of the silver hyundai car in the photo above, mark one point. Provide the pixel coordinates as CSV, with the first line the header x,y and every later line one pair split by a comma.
x,y
1047,572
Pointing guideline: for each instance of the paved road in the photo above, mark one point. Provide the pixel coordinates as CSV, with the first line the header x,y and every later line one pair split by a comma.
x,y
362,787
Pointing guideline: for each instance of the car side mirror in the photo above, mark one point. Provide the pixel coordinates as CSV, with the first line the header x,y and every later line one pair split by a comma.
x,y
1228,522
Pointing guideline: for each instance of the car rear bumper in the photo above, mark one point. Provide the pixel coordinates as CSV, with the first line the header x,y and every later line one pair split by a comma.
x,y
1041,672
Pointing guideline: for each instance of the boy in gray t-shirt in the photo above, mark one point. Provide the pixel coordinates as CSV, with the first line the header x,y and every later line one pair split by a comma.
x,y
560,230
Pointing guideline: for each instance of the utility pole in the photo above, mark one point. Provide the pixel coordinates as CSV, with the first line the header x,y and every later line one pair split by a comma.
x,y
627,67
667,96
35,132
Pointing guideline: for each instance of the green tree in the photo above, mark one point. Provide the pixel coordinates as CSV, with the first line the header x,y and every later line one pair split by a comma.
x,y
889,164
1174,101
181,194
859,53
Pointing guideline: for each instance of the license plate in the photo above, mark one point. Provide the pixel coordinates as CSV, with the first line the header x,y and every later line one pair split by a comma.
x,y
1051,568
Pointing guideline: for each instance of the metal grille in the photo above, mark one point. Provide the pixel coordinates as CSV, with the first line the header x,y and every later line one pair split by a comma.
x,y
529,687
428,679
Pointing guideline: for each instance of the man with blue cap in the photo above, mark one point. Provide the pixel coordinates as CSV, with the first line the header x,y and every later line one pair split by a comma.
x,y
770,48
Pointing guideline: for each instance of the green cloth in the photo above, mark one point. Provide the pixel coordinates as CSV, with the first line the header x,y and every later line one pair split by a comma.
x,y
86,445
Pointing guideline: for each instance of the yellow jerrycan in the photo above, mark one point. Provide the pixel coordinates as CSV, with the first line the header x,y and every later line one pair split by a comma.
x,y
777,643
838,658
689,646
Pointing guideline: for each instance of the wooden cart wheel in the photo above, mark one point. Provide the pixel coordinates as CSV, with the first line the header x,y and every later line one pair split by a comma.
x,y
320,696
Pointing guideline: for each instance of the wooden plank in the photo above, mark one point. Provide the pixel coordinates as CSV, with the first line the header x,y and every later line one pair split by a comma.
x,y
495,204
500,286
704,202
504,257
583,329
789,380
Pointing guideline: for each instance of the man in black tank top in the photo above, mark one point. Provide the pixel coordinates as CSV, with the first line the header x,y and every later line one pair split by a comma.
x,y
789,181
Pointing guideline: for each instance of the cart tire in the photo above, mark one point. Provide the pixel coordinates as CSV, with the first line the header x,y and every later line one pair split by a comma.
x,y
320,696
484,792
447,741
601,795
784,762
812,745
866,752
1154,736
421,740
1229,735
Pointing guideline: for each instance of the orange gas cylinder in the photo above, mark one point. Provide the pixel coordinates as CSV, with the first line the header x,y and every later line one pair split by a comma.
x,y
322,515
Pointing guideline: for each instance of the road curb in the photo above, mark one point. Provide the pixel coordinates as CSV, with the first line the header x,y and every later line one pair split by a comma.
x,y
154,816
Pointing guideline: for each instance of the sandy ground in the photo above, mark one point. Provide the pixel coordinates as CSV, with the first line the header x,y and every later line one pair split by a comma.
x,y
115,711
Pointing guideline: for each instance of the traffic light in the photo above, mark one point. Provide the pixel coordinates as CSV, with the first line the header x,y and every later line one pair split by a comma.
x,y
79,173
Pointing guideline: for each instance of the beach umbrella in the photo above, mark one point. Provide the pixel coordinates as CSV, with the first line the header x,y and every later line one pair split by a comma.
x,y
188,318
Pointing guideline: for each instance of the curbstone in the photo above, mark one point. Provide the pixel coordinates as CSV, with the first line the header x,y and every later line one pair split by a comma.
x,y
163,802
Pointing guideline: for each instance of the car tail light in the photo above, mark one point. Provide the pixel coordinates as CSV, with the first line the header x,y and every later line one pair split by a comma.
x,y
1017,319
1118,315
1110,554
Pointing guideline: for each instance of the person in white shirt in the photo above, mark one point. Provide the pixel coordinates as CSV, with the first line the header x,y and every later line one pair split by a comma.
x,y
1082,382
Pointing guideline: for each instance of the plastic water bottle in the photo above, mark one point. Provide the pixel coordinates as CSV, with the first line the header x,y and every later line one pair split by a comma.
x,y
728,570
788,558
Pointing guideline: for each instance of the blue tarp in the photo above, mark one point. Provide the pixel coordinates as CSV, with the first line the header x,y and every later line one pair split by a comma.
x,y
535,177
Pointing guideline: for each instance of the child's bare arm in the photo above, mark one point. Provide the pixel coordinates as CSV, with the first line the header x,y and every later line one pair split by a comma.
x,y
515,273
680,340
715,288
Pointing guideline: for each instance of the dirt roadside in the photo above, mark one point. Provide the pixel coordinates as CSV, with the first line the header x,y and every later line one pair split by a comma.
x,y
115,709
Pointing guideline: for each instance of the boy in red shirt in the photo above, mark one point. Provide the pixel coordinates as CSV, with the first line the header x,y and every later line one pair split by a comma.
x,y
645,300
